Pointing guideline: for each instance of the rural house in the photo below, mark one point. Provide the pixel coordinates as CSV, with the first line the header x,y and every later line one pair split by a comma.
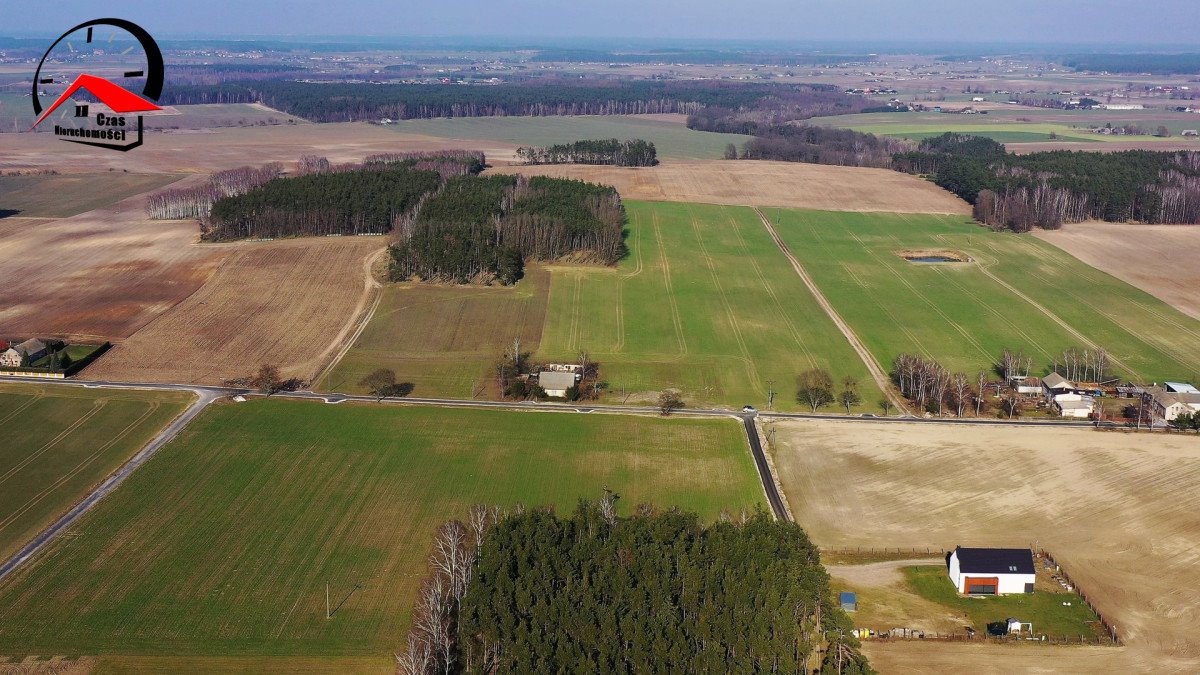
x,y
1074,405
555,383
1027,386
1055,384
991,571
1167,405
28,351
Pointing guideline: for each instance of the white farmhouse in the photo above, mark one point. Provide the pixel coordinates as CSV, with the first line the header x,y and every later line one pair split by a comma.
x,y
1074,405
991,571
555,383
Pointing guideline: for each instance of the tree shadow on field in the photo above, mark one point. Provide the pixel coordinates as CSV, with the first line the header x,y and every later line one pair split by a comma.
x,y
5,213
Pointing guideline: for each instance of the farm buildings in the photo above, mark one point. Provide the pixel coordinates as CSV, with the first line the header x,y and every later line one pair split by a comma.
x,y
26,352
991,571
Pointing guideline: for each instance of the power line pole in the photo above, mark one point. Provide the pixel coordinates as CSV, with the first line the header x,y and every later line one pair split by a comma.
x,y
770,394
326,601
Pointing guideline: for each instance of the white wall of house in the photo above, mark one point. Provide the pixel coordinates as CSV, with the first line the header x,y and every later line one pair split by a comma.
x,y
1005,583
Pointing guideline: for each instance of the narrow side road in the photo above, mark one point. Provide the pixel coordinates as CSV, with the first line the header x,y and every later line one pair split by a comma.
x,y
764,469
877,374
204,398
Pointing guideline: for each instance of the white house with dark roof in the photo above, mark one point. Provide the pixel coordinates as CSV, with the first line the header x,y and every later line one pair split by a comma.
x,y
991,571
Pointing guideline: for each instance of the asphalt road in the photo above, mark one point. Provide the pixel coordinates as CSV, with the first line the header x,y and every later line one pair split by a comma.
x,y
207,395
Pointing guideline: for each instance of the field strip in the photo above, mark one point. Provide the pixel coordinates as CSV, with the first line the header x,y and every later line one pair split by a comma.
x,y
368,302
16,411
662,254
919,344
881,378
638,266
96,407
932,305
949,279
83,464
733,322
1054,317
620,346
787,320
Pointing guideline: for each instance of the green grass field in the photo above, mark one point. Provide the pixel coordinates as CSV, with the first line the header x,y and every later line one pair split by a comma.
x,y
965,314
1043,609
1019,125
223,543
65,195
673,140
704,302
60,441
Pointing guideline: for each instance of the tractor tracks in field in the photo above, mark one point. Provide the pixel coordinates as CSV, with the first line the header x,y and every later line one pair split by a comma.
x,y
873,367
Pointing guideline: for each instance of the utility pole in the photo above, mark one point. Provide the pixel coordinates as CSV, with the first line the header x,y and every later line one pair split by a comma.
x,y
770,394
326,601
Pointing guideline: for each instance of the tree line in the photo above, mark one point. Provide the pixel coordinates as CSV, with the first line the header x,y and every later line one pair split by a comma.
x,y
342,102
483,229
1047,189
821,145
197,201
611,151
529,591
776,108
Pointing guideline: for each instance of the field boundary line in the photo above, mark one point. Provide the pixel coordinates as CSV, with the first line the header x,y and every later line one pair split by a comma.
x,y
662,255
873,367
752,371
84,463
203,398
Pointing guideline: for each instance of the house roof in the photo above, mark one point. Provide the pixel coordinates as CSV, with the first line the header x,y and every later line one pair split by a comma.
x,y
847,596
551,380
1056,381
995,560
1086,404
30,346
1181,388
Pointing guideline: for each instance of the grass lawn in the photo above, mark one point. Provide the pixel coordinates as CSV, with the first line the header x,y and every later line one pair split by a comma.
x,y
998,136
1045,610
64,195
673,140
704,302
60,441
965,314
76,352
224,542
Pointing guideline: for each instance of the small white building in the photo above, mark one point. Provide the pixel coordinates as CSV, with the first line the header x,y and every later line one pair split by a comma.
x,y
1166,405
991,571
1074,405
556,383
1055,384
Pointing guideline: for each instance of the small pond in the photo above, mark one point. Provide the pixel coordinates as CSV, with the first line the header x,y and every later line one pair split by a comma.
x,y
933,259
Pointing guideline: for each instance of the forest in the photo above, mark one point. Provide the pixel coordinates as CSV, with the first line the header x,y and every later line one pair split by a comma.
x,y
482,229
823,145
366,201
1047,189
608,151
197,201
778,106
529,591
1155,64
342,102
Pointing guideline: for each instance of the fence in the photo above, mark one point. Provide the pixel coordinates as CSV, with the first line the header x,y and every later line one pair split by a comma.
x,y
914,551
1108,626
984,637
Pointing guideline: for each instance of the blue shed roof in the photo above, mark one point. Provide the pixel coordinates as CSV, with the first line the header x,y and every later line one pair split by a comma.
x,y
847,596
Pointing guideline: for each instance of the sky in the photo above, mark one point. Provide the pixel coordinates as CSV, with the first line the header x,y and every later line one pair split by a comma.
x,y
1050,22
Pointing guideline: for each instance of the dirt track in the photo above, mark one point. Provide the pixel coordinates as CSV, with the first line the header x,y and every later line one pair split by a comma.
x,y
1159,259
1120,512
288,303
758,183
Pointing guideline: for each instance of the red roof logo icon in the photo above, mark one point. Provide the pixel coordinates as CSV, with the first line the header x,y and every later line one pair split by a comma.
x,y
118,98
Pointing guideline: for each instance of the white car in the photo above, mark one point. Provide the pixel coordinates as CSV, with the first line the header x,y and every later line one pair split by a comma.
x,y
748,408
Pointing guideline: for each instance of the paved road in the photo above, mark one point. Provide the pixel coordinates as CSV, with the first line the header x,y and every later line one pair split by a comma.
x,y
204,397
207,395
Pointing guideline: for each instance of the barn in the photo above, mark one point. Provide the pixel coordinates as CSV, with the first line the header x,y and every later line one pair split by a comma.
x,y
991,571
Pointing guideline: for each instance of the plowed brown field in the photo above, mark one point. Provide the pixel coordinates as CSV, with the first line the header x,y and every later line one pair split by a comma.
x,y
1120,512
289,303
100,275
755,183
1159,259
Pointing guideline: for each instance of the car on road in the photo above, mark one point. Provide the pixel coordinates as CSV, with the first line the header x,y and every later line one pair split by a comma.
x,y
749,409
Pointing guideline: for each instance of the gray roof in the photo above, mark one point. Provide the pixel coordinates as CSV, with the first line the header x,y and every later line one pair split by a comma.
x,y
550,380
1056,381
30,346
995,560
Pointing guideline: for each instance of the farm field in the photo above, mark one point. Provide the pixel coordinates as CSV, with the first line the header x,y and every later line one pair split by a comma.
x,y
98,275
61,441
1159,259
704,302
272,499
763,183
1118,512
290,303
1018,293
65,195
212,115
210,150
669,133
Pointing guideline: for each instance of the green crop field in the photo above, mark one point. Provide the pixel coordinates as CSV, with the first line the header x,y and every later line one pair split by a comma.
x,y
672,139
223,544
704,302
65,195
965,314
60,441
1018,125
